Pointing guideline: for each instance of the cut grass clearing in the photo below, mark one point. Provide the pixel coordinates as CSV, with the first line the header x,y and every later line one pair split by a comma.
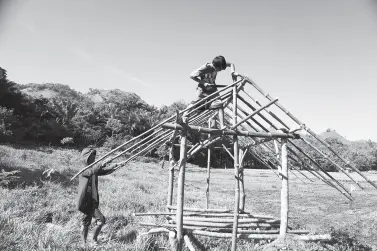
x,y
39,214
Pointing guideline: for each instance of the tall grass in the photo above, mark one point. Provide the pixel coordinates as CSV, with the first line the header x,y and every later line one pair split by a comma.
x,y
38,213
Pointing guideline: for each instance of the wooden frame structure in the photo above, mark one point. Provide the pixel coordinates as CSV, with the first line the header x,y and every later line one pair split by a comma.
x,y
246,120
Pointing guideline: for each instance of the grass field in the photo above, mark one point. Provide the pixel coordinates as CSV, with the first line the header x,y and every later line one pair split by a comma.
x,y
39,213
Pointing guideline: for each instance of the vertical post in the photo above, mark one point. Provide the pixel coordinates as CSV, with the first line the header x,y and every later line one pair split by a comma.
x,y
208,166
277,154
284,190
242,184
221,117
171,175
181,189
236,171
171,164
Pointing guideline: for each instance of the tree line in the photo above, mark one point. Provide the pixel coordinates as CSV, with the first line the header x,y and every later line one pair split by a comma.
x,y
56,115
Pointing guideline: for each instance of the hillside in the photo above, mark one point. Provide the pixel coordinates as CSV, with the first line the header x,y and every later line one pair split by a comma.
x,y
332,134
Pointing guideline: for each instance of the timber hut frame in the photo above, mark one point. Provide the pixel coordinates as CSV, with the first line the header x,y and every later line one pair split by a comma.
x,y
245,119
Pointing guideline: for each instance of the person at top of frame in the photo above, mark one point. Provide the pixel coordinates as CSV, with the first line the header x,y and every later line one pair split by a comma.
x,y
206,78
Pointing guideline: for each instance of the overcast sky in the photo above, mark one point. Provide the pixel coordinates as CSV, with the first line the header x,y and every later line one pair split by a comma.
x,y
319,57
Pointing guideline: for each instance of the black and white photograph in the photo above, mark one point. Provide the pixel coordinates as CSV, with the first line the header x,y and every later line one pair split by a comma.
x,y
188,125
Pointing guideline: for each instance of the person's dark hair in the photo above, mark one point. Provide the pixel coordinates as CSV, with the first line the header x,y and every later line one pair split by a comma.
x,y
219,62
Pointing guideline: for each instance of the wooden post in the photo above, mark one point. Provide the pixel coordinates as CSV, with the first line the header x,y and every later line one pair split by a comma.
x,y
284,190
172,164
236,173
242,184
181,189
221,117
208,167
171,175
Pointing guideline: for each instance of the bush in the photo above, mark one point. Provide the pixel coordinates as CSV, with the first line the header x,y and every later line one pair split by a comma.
x,y
115,141
343,241
67,141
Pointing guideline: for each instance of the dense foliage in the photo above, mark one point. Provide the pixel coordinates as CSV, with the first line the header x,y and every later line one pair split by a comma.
x,y
55,114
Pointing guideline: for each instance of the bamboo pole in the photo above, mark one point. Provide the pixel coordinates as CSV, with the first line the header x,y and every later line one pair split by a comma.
x,y
265,145
217,210
156,142
204,214
257,111
345,190
188,243
284,191
230,98
171,176
221,117
341,158
165,225
202,120
173,240
251,107
225,132
205,144
269,112
215,147
229,153
261,236
225,220
171,165
309,168
264,129
316,174
229,132
181,189
162,135
156,231
117,148
242,184
226,225
332,162
200,117
308,130
208,167
223,230
260,159
212,97
236,173
154,127
252,231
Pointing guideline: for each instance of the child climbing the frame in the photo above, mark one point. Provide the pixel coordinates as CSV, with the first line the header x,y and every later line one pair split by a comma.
x,y
88,196
206,78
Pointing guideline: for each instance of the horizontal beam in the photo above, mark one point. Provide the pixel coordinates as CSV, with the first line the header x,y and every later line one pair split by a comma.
x,y
211,131
214,147
225,225
224,220
217,210
262,236
204,214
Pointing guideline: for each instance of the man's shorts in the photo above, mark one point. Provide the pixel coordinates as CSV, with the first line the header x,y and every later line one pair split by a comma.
x,y
203,92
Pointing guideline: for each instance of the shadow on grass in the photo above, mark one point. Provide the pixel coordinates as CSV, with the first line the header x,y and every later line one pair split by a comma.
x,y
14,177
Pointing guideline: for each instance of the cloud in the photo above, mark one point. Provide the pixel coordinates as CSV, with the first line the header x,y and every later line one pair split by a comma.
x,y
28,25
82,54
119,72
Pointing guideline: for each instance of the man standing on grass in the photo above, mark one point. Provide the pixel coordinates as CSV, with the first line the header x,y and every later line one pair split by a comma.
x,y
88,197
